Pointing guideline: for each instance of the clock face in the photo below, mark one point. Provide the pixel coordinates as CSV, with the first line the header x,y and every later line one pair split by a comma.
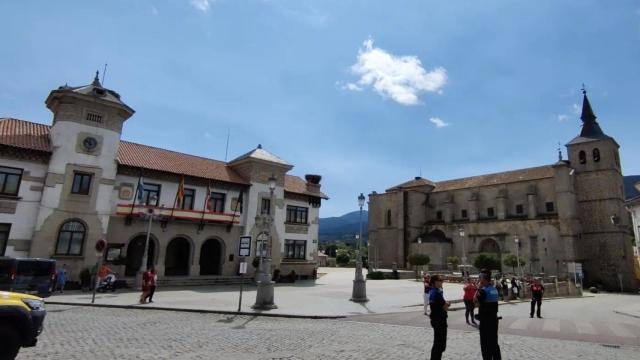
x,y
89,143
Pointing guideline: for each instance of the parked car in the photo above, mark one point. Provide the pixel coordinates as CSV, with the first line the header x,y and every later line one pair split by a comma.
x,y
27,275
21,321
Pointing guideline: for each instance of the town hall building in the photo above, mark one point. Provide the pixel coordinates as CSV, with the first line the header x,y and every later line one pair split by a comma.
x,y
67,185
554,216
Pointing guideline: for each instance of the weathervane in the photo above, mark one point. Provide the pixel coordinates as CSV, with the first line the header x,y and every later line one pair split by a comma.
x,y
584,89
559,152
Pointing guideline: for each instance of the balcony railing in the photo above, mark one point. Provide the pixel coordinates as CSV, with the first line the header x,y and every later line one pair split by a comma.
x,y
179,214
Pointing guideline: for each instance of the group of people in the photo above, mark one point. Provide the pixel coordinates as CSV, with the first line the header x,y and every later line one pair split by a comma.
x,y
484,295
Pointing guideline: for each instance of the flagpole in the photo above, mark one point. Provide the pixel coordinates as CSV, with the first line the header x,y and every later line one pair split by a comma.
x,y
180,188
135,197
235,211
204,209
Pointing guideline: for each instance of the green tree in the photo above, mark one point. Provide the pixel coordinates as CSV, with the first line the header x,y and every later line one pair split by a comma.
x,y
416,260
342,257
512,260
454,261
487,261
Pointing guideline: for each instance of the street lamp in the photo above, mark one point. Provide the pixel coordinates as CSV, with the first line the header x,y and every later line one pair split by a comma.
x,y
264,295
359,293
143,264
517,241
464,250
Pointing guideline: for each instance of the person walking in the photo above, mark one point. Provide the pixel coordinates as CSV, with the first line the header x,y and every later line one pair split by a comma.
x,y
427,287
152,284
146,285
515,288
439,308
505,288
537,290
469,293
487,299
61,278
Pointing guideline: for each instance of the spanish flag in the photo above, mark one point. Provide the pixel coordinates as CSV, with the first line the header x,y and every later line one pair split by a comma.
x,y
180,194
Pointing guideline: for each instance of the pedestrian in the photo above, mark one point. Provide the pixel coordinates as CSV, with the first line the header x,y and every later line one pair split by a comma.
x,y
537,290
426,279
487,300
152,284
515,288
498,286
469,293
146,285
439,308
505,288
61,278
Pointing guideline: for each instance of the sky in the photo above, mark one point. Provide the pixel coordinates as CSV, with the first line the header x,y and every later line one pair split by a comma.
x,y
366,93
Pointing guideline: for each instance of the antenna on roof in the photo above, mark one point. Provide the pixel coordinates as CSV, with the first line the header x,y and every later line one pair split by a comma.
x,y
104,73
226,151
559,152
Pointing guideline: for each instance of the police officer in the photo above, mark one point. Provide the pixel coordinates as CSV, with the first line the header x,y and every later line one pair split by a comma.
x,y
537,290
439,308
487,300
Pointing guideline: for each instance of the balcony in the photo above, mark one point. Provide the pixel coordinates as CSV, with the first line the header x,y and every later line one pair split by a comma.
x,y
178,214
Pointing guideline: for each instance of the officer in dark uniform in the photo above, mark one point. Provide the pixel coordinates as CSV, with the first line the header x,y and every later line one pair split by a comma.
x,y
487,299
537,290
439,308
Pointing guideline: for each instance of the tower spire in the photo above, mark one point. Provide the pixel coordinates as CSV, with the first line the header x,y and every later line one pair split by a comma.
x,y
96,80
590,127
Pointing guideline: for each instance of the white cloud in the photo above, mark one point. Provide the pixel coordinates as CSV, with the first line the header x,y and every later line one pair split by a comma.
x,y
563,117
202,5
352,87
576,109
402,78
439,123
154,10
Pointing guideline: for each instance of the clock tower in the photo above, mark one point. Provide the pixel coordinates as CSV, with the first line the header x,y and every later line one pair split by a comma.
x,y
604,245
79,185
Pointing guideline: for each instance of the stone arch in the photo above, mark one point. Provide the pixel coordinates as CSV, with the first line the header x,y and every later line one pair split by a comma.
x,y
212,253
489,245
135,250
437,236
177,260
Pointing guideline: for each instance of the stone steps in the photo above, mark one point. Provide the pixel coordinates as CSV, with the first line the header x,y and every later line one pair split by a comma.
x,y
186,281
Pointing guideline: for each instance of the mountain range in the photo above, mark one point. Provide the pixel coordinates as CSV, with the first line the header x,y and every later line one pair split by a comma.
x,y
344,228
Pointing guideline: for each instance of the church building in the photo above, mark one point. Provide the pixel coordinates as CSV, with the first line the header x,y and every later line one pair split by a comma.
x,y
558,218
67,185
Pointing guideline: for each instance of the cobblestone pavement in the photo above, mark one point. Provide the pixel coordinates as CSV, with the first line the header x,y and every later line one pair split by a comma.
x,y
584,319
100,333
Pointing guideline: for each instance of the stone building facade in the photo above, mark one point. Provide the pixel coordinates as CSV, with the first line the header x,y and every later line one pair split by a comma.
x,y
67,185
568,212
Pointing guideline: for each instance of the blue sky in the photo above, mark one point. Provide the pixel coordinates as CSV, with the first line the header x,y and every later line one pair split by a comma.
x,y
366,93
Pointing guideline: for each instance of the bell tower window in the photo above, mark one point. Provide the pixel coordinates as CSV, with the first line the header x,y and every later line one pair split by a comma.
x,y
596,155
582,157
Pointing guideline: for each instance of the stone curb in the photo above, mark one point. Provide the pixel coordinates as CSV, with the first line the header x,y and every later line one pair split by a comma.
x,y
626,314
202,311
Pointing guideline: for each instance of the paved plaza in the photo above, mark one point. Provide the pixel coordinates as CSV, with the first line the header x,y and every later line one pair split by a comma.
x,y
327,296
100,333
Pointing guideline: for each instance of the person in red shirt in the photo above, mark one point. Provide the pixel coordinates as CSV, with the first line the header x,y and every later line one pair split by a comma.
x,y
469,293
537,290
147,278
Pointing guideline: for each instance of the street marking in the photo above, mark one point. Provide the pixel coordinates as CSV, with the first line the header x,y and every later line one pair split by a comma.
x,y
585,327
551,325
620,330
520,324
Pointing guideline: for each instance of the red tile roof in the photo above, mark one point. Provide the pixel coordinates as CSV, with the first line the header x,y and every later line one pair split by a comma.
x,y
294,184
512,176
24,134
32,136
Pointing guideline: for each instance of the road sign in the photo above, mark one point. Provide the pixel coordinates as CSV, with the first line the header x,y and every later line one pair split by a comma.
x,y
243,267
245,246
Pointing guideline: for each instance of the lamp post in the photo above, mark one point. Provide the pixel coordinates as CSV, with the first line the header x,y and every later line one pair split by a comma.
x,y
264,295
464,251
359,293
143,264
517,241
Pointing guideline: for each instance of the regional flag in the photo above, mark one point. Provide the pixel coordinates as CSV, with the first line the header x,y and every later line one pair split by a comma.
x,y
207,200
140,190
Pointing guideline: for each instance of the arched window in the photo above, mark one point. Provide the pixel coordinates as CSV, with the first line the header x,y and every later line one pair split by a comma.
x,y
388,217
596,155
71,238
582,156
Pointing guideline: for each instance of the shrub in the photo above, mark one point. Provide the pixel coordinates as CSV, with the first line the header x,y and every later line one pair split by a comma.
x,y
487,261
375,275
512,260
342,258
419,259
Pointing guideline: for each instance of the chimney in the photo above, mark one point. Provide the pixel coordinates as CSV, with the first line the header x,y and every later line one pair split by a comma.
x,y
313,183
